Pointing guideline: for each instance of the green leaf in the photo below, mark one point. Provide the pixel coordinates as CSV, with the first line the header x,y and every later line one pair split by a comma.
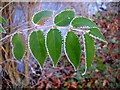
x,y
73,48
89,50
64,18
54,44
2,20
95,33
37,46
40,17
18,46
82,22
2,29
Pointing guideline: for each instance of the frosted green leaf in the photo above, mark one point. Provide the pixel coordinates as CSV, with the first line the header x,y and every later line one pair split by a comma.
x,y
40,17
82,22
95,33
18,46
37,46
64,18
54,44
89,50
73,48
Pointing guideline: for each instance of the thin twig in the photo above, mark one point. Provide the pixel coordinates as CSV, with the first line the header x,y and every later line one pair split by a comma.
x,y
6,6
16,75
15,32
58,8
67,28
8,81
9,60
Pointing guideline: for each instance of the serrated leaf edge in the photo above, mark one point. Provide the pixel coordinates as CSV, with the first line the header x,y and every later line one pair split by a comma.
x,y
13,46
93,36
61,12
82,17
47,47
85,55
31,51
37,13
66,52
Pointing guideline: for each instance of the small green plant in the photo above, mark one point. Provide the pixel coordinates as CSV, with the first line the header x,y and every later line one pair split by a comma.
x,y
53,43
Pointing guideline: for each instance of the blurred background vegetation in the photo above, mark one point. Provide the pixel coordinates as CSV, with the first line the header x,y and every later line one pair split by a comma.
x,y
105,71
